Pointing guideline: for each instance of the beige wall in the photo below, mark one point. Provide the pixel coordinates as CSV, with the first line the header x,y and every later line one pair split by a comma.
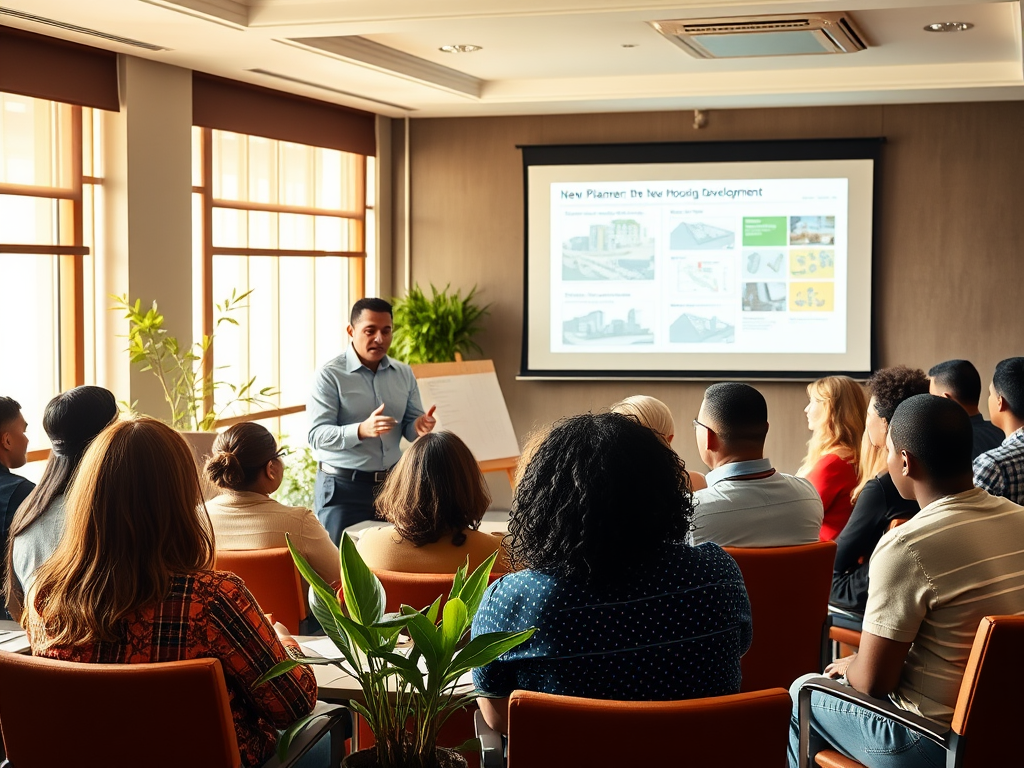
x,y
948,261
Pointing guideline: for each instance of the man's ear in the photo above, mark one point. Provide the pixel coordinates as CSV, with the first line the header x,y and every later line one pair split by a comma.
x,y
714,443
349,329
5,440
910,466
1001,405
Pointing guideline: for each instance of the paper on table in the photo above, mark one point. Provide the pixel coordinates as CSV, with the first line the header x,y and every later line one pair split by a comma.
x,y
472,407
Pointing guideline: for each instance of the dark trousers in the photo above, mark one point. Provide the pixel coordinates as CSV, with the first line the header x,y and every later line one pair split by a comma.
x,y
341,503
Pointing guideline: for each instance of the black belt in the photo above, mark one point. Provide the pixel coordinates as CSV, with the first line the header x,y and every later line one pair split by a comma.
x,y
357,475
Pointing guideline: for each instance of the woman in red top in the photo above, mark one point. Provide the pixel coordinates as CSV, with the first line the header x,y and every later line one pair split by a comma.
x,y
835,415
131,582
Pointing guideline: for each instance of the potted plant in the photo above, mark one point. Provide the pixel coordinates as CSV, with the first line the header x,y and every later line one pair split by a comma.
x,y
435,329
406,715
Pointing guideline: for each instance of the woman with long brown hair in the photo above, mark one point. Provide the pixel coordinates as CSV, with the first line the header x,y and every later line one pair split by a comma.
x,y
434,500
71,420
131,582
835,411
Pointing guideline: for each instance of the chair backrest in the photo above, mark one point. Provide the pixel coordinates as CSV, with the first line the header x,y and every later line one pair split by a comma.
x,y
273,579
990,706
896,522
116,715
743,729
417,589
789,590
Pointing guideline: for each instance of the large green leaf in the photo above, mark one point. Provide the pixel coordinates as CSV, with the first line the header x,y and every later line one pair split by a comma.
x,y
454,624
364,594
483,649
473,590
426,638
284,741
281,668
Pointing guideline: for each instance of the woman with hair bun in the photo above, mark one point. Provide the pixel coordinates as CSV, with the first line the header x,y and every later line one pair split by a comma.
x,y
657,417
247,465
835,415
71,420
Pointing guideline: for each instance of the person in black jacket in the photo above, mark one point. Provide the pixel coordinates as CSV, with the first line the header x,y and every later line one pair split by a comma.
x,y
878,502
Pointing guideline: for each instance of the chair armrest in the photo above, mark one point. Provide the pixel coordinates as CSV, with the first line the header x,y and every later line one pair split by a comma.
x,y
330,717
491,751
930,729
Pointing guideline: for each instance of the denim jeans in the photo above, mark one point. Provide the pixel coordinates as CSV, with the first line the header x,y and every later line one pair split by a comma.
x,y
340,503
864,736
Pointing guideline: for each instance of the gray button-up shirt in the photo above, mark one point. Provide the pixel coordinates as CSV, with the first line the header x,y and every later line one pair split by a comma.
x,y
345,393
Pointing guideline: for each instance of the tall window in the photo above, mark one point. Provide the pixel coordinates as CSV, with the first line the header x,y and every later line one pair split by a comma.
x,y
287,222
50,195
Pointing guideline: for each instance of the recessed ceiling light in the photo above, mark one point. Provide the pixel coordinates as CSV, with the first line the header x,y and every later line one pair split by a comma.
x,y
630,45
949,26
460,48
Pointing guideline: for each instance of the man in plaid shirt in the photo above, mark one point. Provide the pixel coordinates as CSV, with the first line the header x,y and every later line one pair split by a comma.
x,y
1001,470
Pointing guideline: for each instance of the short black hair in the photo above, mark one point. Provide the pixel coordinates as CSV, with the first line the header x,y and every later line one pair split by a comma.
x,y
1008,381
935,431
589,474
369,305
9,410
891,386
961,378
737,412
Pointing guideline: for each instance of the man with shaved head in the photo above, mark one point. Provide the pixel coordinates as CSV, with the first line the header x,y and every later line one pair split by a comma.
x,y
747,502
932,580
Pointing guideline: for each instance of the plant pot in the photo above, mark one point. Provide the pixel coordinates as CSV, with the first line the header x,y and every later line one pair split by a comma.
x,y
201,444
367,758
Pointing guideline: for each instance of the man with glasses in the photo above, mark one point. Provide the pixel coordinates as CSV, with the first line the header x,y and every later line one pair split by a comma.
x,y
747,502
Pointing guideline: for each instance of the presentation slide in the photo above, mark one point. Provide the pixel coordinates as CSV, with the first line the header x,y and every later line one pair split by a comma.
x,y
699,269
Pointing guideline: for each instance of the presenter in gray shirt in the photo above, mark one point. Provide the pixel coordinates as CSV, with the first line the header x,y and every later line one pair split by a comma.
x,y
363,403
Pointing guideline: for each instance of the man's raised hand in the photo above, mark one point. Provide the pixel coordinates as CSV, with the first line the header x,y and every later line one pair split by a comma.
x,y
426,423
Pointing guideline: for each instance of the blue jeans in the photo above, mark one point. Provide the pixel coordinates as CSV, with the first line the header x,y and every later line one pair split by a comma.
x,y
864,736
340,503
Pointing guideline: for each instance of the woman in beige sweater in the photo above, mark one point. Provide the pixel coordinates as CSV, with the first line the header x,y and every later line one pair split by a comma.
x,y
247,465
434,500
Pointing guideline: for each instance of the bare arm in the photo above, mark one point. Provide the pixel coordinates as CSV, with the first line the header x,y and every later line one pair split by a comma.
x,y
876,669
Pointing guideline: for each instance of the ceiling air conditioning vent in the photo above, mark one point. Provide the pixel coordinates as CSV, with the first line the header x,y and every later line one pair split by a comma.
x,y
786,35
80,30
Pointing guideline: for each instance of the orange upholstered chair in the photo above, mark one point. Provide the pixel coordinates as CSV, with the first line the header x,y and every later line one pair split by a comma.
x,y
749,729
788,589
164,715
989,709
273,579
418,589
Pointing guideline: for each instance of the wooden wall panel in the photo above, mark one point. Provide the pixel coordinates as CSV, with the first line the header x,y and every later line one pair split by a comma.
x,y
948,257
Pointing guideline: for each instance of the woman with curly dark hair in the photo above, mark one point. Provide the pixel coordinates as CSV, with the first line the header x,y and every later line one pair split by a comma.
x,y
624,608
878,502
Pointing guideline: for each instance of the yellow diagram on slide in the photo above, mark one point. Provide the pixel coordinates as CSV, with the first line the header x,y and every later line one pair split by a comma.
x,y
812,263
812,297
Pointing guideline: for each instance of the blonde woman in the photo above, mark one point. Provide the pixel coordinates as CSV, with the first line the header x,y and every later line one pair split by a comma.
x,y
657,417
835,415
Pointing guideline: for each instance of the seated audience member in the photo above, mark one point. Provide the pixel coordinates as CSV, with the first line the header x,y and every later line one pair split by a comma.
x,y
14,489
656,416
624,607
932,581
878,502
130,582
747,503
247,465
1001,470
835,416
960,381
434,500
71,420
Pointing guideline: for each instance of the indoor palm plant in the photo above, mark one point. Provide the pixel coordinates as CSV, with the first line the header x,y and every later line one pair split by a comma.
x,y
434,329
406,715
181,369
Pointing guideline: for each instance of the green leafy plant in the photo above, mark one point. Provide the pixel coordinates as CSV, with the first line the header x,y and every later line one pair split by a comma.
x,y
405,719
299,479
180,369
432,330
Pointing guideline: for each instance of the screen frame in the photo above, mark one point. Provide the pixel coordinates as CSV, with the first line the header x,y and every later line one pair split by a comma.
x,y
699,152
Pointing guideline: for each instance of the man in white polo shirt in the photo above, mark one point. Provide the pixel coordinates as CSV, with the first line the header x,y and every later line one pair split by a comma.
x,y
747,502
932,580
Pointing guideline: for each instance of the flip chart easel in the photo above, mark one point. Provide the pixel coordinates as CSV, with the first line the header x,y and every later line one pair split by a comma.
x,y
470,404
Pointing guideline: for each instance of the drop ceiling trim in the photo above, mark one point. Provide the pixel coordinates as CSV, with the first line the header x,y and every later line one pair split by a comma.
x,y
223,12
380,58
331,89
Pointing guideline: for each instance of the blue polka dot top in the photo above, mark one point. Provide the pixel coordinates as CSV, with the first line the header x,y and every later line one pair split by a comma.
x,y
673,628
